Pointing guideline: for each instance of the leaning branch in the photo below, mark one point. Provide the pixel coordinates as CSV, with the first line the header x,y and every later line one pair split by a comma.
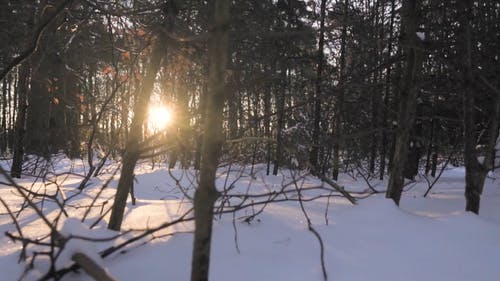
x,y
91,267
313,230
331,183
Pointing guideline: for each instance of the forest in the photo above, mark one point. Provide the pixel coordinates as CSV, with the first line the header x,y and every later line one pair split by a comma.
x,y
128,124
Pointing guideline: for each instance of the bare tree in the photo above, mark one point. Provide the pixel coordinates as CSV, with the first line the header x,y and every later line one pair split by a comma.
x,y
313,158
132,151
20,127
475,168
206,194
408,98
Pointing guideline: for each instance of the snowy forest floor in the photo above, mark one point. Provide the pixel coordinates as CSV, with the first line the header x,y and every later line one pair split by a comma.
x,y
430,238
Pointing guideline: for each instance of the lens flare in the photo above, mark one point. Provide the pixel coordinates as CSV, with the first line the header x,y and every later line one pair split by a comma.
x,y
159,117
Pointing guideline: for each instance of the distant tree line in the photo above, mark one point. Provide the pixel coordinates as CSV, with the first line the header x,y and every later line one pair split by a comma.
x,y
329,85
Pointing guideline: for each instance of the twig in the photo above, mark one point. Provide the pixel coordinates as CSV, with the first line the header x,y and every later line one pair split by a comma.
x,y
311,228
235,233
440,173
366,179
98,195
30,203
333,184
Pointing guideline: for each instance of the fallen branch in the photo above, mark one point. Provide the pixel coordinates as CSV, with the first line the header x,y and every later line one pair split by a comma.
x,y
313,230
91,267
337,187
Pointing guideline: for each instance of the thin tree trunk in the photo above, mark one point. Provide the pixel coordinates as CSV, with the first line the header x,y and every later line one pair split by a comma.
x,y
407,101
20,127
280,106
339,106
376,92
13,111
183,120
233,102
267,124
429,149
313,157
256,128
202,113
432,147
72,115
206,194
125,100
132,148
3,146
383,152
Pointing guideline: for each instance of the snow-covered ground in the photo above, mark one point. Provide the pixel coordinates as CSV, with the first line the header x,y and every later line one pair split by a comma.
x,y
428,238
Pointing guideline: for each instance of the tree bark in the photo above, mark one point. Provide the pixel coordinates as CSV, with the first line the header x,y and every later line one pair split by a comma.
x,y
475,171
3,146
280,107
267,123
20,127
473,179
407,100
206,194
38,112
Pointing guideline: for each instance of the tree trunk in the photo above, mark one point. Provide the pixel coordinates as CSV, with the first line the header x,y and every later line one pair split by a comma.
x,y
131,155
3,146
473,182
202,113
376,93
20,127
38,112
383,147
184,127
72,113
206,194
430,147
415,147
44,90
14,107
407,99
339,106
475,172
280,107
267,123
313,157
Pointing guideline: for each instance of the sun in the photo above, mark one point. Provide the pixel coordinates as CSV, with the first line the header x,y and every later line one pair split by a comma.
x,y
159,117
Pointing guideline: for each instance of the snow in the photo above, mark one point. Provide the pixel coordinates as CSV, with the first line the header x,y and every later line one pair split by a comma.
x,y
428,238
72,229
480,159
420,35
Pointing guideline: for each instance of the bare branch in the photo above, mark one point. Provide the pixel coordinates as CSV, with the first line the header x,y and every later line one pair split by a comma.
x,y
37,35
91,267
